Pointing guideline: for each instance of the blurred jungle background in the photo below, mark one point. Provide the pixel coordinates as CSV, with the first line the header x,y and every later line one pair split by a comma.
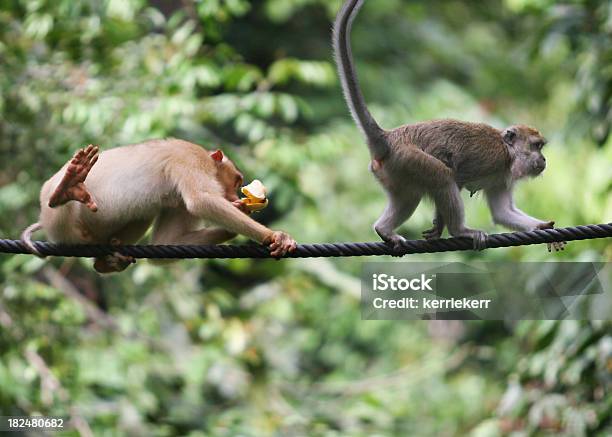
x,y
255,348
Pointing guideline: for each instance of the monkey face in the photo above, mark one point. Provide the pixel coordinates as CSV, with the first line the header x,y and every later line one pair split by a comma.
x,y
229,176
232,180
525,145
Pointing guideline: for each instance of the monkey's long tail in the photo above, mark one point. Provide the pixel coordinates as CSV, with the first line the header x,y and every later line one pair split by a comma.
x,y
375,135
26,237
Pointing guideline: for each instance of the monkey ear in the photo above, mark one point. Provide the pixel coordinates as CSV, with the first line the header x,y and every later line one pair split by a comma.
x,y
509,136
217,155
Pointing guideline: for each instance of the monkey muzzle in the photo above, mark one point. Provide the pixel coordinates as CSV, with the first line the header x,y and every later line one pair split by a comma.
x,y
539,166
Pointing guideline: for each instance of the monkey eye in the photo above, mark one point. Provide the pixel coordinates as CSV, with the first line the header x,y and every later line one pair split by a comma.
x,y
539,144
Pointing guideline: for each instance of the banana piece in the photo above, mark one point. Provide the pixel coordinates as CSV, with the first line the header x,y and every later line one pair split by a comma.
x,y
256,196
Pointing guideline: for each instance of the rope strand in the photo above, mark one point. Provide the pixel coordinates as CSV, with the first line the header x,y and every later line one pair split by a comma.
x,y
314,250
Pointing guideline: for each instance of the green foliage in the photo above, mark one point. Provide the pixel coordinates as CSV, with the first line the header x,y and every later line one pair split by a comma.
x,y
246,347
561,382
579,29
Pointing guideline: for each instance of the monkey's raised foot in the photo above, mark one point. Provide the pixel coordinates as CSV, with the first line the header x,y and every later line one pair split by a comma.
x,y
72,186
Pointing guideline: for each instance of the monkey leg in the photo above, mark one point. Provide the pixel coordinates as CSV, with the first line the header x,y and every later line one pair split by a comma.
x,y
72,186
438,228
438,180
450,206
178,226
397,211
129,234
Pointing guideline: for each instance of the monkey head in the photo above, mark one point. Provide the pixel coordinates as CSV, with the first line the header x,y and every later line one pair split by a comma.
x,y
525,146
228,175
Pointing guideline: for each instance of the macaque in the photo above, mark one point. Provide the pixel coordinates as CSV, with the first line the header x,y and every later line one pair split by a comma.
x,y
436,159
115,196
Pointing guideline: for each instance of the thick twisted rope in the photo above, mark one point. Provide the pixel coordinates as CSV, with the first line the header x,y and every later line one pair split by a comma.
x,y
317,250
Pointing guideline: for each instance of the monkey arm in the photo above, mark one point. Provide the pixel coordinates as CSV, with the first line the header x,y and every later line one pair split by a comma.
x,y
506,214
222,213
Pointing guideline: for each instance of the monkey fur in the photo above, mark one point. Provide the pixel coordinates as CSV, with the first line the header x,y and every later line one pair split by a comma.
x,y
115,196
437,158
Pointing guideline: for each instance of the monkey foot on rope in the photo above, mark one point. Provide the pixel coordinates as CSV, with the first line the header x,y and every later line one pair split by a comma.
x,y
316,250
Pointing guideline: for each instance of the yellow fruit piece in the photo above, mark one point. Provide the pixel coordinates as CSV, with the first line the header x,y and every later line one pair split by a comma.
x,y
256,196
255,190
255,206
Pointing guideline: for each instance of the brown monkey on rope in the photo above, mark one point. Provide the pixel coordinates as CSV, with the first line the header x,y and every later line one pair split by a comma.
x,y
115,196
438,158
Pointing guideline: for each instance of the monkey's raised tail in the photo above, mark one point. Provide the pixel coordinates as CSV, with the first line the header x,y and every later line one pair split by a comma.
x,y
350,85
26,238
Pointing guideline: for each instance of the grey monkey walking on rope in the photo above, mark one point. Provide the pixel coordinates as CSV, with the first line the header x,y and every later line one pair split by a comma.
x,y
436,159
